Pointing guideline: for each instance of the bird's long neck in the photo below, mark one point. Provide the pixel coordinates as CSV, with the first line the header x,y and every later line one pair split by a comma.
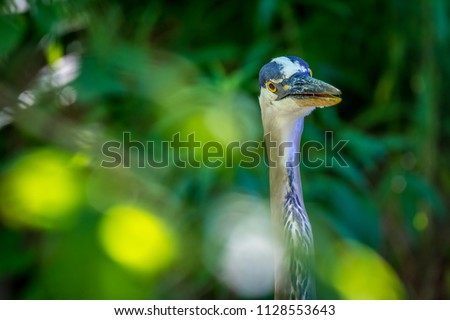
x,y
293,279
283,150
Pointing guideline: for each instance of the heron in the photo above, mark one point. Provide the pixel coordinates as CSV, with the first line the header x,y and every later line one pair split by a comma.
x,y
288,94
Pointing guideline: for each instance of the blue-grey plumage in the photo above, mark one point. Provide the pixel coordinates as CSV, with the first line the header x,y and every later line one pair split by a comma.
x,y
288,94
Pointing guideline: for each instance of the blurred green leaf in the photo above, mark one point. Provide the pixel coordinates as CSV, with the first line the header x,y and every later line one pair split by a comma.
x,y
15,257
12,31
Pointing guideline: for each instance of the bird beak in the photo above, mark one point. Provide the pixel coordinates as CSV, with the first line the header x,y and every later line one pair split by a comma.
x,y
310,92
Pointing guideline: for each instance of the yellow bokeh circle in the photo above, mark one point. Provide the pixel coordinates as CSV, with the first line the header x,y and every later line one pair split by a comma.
x,y
137,239
361,273
41,190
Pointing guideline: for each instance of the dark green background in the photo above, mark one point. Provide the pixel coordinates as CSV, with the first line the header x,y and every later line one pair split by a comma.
x,y
153,69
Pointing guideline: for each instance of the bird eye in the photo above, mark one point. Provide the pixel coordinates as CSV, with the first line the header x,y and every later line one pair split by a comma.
x,y
271,86
310,72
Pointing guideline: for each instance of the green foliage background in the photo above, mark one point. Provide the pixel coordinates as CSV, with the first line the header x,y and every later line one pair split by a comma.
x,y
153,69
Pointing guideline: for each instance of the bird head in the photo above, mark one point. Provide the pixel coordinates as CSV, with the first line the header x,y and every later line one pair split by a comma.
x,y
287,87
